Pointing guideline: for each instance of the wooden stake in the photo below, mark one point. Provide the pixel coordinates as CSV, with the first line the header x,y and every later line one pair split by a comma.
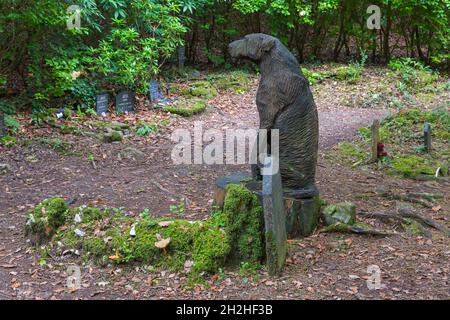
x,y
375,140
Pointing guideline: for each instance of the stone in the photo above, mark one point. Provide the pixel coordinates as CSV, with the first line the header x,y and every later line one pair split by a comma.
x,y
125,102
181,56
344,212
131,153
101,104
153,89
4,168
113,136
274,220
285,102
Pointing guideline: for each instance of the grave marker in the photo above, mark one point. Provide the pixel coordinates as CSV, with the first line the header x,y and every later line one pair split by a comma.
x,y
274,218
101,104
375,140
153,89
181,56
125,102
2,125
427,137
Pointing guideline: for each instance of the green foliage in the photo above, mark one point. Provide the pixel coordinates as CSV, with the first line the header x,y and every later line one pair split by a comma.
x,y
178,208
8,141
411,74
143,129
121,44
11,123
315,77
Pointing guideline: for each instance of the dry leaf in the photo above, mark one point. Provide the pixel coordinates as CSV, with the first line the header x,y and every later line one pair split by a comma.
x,y
165,223
436,208
114,257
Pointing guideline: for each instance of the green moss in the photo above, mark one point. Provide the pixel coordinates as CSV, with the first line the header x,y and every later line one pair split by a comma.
x,y
402,135
244,224
411,166
61,146
342,212
90,214
43,221
112,136
179,250
95,246
352,152
234,235
414,228
211,249
186,108
200,89
67,129
236,81
69,239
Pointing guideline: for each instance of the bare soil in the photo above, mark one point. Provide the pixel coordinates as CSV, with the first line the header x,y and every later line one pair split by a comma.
x,y
324,266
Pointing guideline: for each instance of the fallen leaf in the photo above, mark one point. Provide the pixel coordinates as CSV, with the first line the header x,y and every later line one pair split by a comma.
x,y
436,208
165,223
114,257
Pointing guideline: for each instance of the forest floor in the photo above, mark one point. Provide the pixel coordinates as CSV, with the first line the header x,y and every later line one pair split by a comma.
x,y
323,266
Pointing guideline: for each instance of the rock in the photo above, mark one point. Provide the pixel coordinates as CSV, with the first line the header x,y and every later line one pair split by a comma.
x,y
113,136
342,212
4,168
131,153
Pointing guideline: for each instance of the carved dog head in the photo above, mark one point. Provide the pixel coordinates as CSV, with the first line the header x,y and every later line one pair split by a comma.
x,y
252,46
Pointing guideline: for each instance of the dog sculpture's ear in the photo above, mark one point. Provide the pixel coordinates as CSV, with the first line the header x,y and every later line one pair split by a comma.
x,y
268,44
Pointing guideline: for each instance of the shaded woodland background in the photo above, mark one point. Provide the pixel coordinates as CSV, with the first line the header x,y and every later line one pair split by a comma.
x,y
125,43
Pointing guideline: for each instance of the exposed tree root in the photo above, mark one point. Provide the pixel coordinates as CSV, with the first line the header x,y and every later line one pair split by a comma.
x,y
404,214
424,199
345,228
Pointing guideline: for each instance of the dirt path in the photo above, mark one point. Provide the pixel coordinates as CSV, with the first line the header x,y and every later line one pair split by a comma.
x,y
323,266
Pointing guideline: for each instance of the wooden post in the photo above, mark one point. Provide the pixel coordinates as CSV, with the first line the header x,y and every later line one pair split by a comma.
x,y
375,140
2,125
427,137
